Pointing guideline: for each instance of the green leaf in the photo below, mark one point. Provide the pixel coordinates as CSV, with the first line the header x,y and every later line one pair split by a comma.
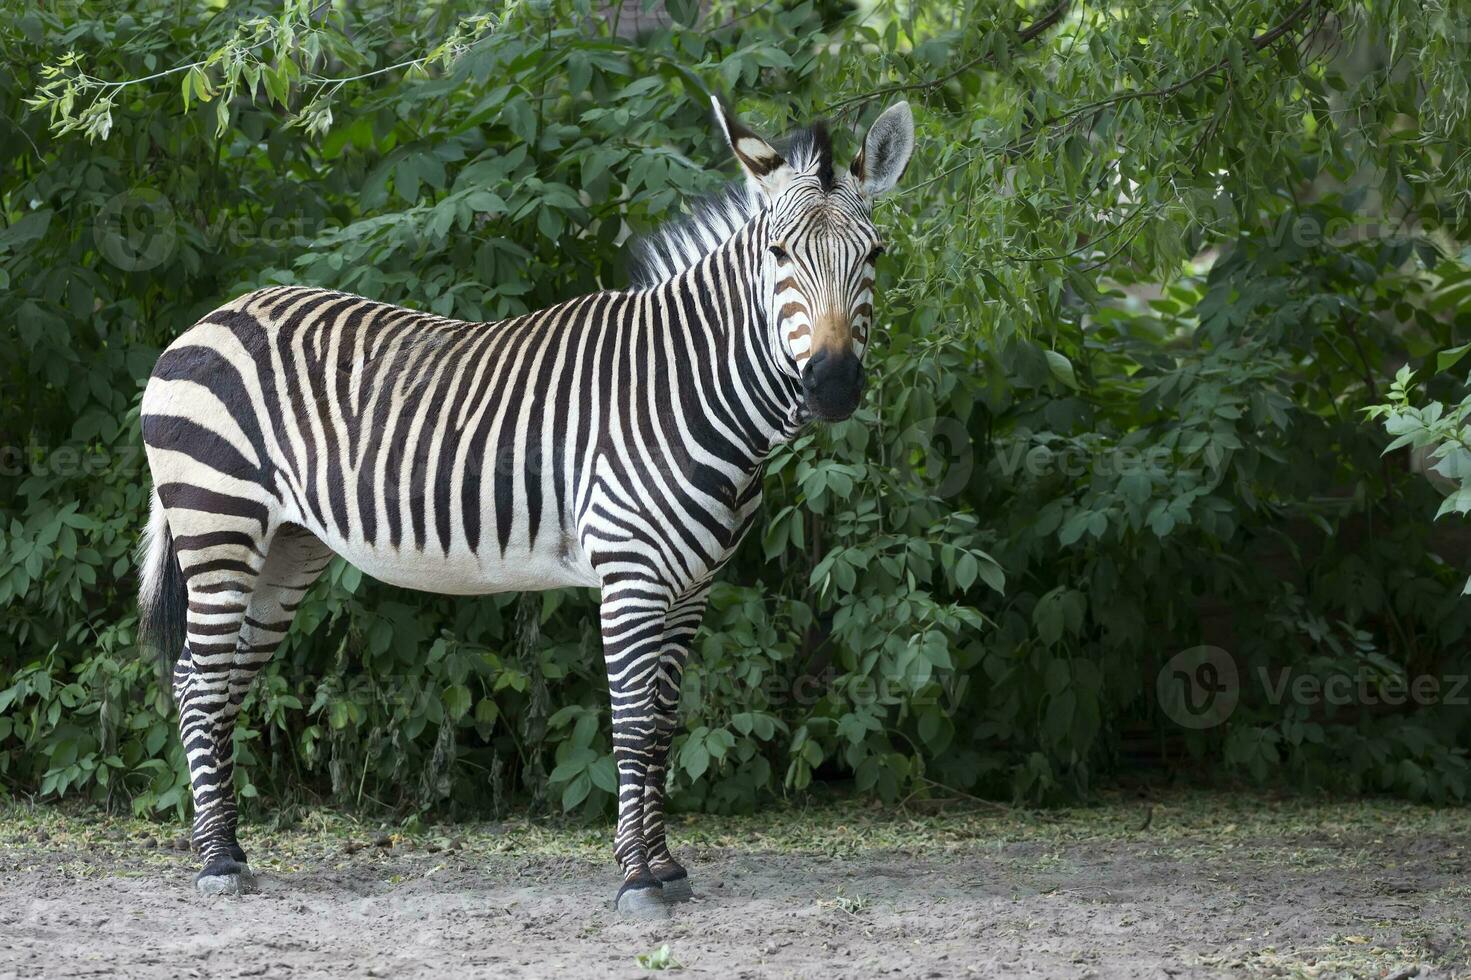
x,y
694,758
30,227
604,774
1449,357
1061,368
966,570
659,959
576,792
457,701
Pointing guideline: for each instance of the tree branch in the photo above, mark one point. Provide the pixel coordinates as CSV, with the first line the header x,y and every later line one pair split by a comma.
x,y
1025,36
1036,131
1261,41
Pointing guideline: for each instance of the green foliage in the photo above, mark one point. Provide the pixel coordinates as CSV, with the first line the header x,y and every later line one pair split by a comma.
x,y
1147,268
1438,434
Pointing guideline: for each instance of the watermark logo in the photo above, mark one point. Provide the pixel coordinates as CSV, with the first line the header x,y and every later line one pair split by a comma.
x,y
136,230
1199,688
937,455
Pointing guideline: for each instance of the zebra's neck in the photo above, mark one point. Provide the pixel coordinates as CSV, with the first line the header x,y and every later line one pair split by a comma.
x,y
744,383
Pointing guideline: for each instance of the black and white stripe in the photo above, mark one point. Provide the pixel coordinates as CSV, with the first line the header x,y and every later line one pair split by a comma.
x,y
615,440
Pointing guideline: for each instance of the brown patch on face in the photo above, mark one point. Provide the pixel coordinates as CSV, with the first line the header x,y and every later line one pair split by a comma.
x,y
832,332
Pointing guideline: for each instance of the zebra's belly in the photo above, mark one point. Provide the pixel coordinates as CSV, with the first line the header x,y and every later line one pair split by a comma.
x,y
464,572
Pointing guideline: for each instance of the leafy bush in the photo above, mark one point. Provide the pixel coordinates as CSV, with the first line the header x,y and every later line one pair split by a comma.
x,y
1138,295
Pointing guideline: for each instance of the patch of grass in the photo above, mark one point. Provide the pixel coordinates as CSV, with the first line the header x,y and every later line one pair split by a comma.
x,y
1204,825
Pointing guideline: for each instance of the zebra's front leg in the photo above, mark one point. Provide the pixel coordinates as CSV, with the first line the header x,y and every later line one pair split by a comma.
x,y
633,617
679,632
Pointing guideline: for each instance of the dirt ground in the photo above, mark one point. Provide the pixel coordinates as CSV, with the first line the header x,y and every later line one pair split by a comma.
x,y
1213,886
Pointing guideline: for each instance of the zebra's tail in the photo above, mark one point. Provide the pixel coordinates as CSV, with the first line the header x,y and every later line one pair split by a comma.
x,y
162,602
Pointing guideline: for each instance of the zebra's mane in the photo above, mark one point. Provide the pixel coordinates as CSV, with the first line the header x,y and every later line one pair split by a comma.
x,y
677,245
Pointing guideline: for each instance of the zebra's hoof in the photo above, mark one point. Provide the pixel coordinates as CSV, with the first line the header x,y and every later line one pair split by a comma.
x,y
225,877
641,901
677,889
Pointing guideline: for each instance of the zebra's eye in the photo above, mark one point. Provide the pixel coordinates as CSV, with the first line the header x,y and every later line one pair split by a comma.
x,y
875,252
779,252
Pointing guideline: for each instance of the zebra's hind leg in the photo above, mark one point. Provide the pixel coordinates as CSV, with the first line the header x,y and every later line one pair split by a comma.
x,y
679,632
294,560
633,614
219,578
211,689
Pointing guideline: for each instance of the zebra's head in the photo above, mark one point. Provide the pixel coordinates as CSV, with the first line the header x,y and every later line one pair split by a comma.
x,y
818,267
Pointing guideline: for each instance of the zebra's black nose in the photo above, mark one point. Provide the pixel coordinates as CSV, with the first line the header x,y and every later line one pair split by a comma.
x,y
833,384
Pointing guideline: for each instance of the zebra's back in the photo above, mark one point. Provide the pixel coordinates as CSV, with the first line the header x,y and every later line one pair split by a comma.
x,y
432,453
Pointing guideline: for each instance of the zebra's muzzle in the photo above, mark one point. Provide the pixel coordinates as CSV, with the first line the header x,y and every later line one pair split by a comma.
x,y
833,385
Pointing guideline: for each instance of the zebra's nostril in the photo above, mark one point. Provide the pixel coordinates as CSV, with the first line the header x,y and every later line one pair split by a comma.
x,y
813,369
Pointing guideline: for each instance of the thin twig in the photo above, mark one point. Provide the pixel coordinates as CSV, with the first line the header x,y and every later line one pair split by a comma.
x,y
1025,36
1003,807
1091,243
1260,42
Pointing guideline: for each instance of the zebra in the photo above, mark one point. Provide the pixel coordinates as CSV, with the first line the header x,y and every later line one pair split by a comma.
x,y
615,440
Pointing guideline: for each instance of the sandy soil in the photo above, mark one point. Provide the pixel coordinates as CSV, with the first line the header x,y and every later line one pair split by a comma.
x,y
1213,887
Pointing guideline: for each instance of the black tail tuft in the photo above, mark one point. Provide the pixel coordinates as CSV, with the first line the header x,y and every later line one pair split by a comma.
x,y
163,603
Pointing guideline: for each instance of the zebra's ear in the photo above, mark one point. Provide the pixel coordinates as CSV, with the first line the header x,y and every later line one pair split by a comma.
x,y
886,150
765,168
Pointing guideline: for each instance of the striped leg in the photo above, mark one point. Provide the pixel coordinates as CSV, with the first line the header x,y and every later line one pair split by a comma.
x,y
217,607
679,632
295,559
633,618
210,684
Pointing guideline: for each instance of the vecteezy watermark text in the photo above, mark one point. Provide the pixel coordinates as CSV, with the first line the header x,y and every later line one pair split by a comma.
x,y
1201,687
